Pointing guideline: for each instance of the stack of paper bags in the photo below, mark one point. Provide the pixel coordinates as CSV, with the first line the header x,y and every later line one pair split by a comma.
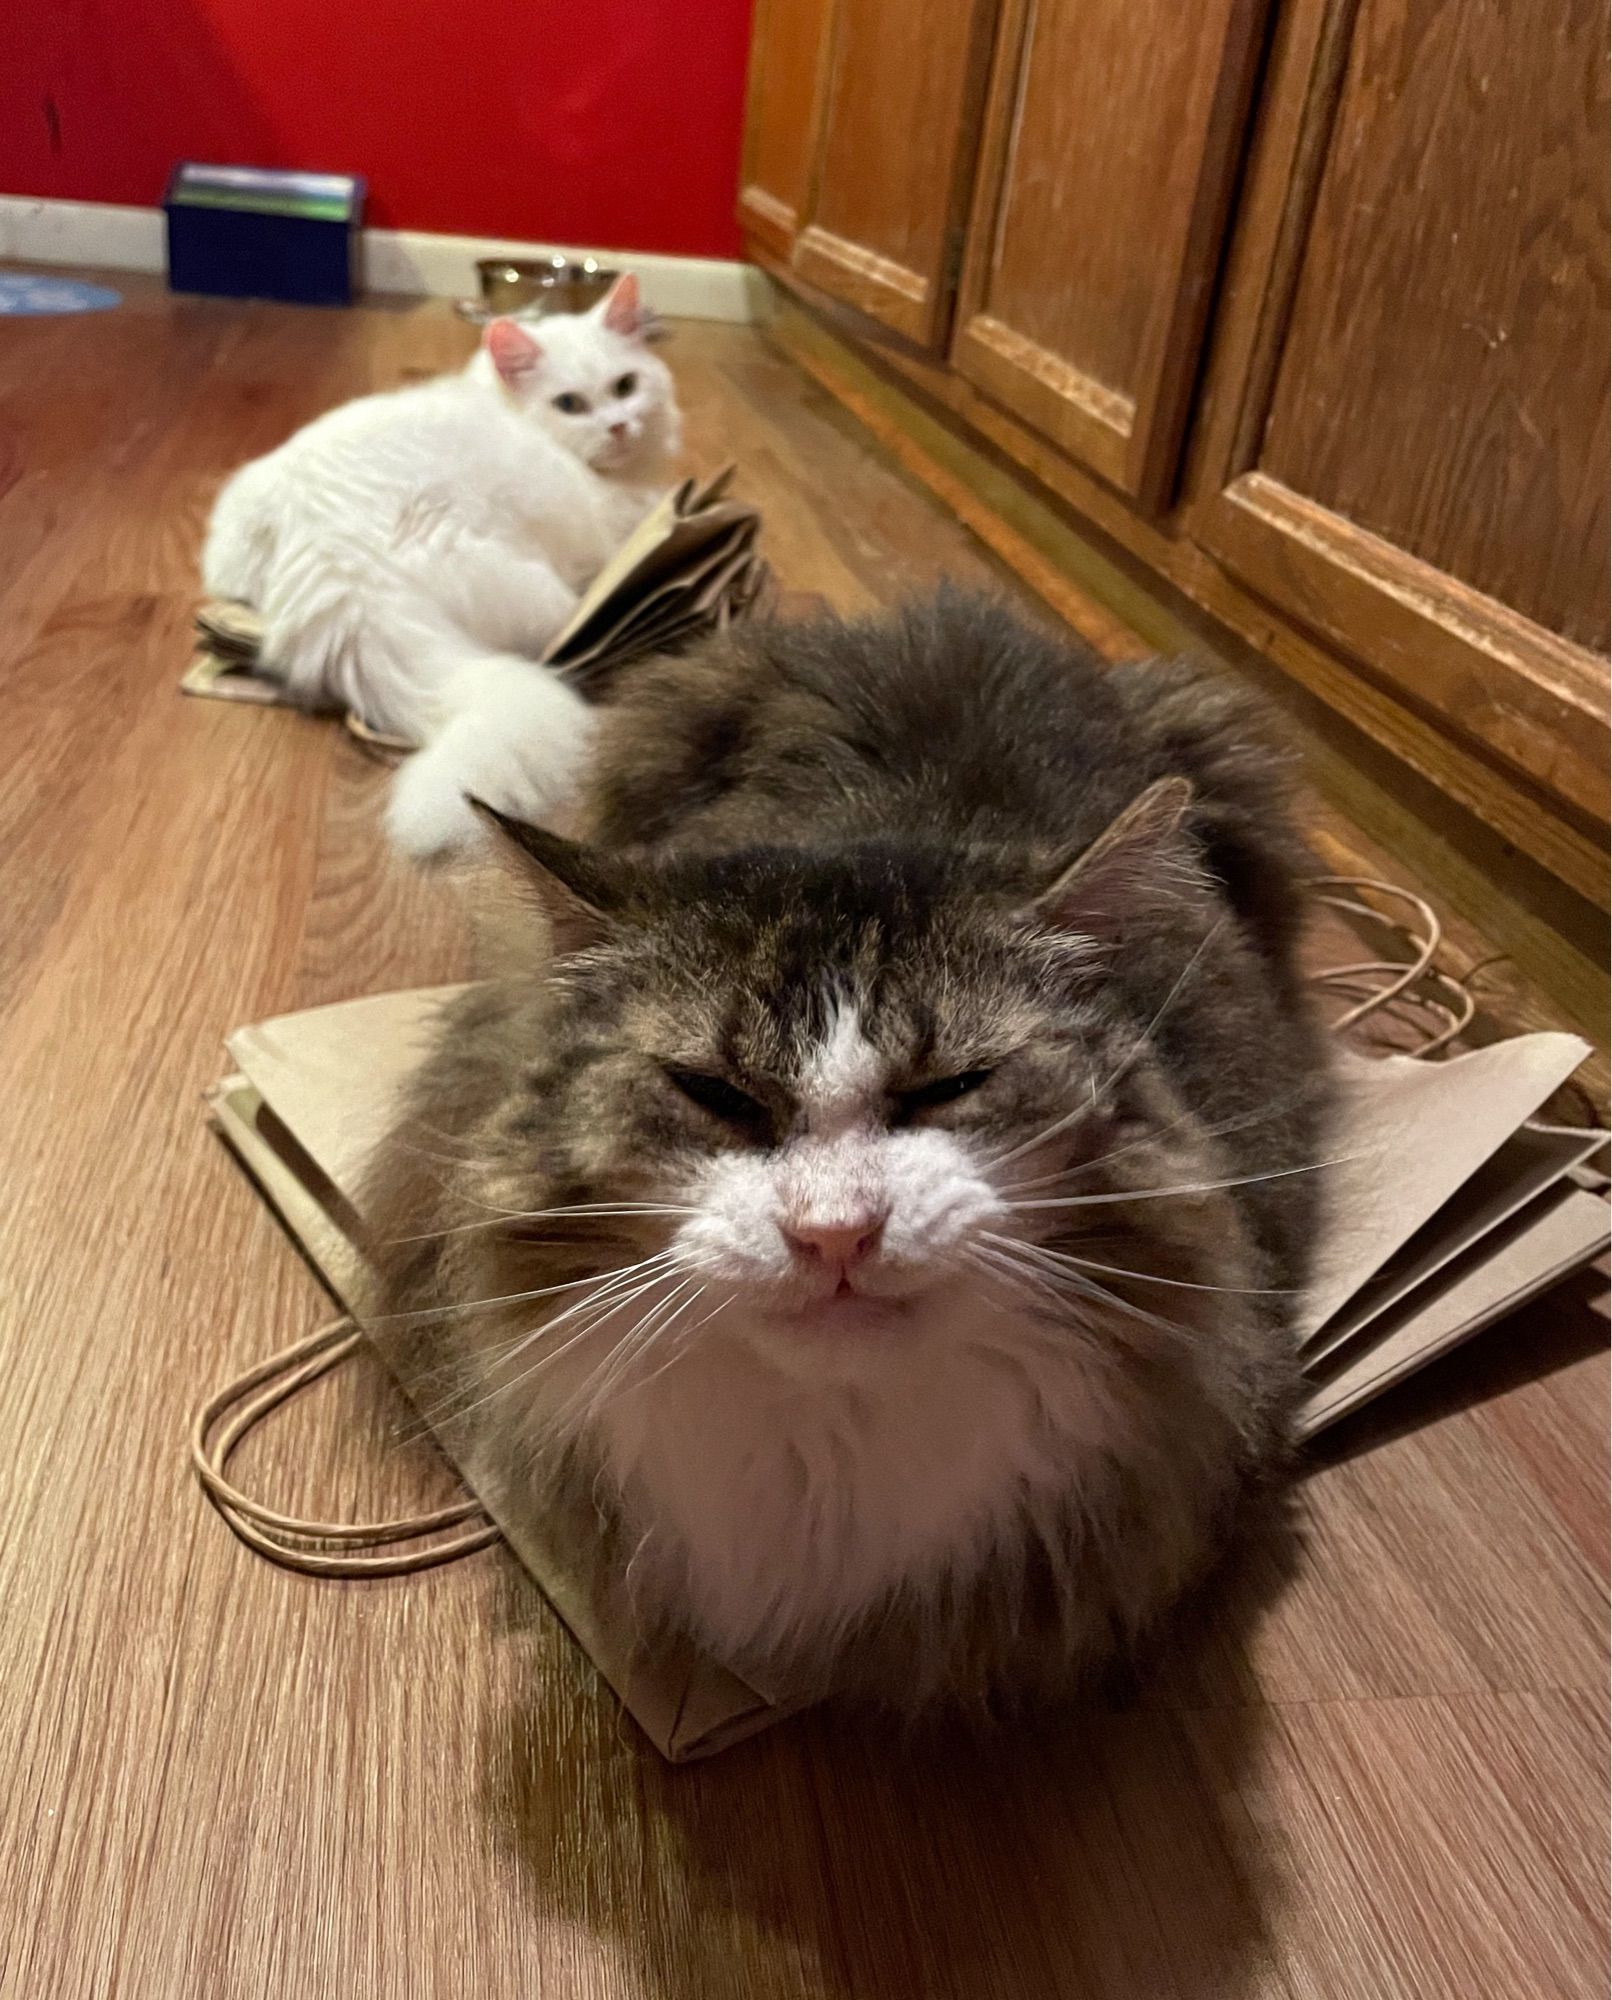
x,y
1449,1206
1448,1209
688,570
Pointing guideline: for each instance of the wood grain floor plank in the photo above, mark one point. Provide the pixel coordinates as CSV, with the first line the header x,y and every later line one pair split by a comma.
x,y
1388,1891
1428,1541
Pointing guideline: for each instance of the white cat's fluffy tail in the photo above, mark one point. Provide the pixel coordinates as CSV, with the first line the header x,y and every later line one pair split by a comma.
x,y
508,732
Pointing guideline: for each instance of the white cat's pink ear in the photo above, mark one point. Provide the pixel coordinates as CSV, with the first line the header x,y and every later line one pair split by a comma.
x,y
623,310
1143,858
515,353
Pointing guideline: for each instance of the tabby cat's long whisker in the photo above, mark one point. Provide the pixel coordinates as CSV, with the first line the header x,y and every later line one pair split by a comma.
x,y
686,1334
1014,1277
1262,1116
638,1339
605,1292
601,1312
658,1336
516,1298
1188,1188
585,1211
1128,1061
1087,1288
1065,1257
611,1293
1140,1042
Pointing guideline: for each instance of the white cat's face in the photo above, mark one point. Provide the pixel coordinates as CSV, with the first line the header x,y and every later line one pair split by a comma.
x,y
851,1221
590,383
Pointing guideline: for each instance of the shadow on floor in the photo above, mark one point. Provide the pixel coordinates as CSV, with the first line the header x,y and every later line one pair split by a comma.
x,y
1104,1852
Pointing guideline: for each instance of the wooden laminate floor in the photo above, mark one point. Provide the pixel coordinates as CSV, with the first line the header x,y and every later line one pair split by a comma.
x,y
1386,1779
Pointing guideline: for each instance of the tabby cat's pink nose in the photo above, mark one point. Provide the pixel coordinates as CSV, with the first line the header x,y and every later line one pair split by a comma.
x,y
841,1243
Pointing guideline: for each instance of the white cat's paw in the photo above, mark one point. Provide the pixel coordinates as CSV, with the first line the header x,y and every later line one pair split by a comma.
x,y
426,815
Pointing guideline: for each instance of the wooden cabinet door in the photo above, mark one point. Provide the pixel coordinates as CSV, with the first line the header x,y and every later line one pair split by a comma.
x,y
788,47
900,122
1415,458
1110,146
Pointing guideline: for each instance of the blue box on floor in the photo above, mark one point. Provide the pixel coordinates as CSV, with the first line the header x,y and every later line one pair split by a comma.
x,y
255,233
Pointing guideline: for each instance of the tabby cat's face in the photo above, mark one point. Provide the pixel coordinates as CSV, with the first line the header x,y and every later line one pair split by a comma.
x,y
844,1093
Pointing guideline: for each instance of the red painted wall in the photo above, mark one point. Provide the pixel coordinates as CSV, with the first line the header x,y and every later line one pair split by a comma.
x,y
612,123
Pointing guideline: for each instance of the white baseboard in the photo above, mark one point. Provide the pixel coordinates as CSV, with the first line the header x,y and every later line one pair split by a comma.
x,y
406,260
99,235
92,233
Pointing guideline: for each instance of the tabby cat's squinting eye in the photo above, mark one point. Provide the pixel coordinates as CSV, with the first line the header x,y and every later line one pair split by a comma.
x,y
722,1099
944,1090
737,1107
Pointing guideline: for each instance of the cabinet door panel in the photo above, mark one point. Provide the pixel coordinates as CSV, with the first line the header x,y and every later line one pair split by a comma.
x,y
1419,470
788,48
1106,167
906,81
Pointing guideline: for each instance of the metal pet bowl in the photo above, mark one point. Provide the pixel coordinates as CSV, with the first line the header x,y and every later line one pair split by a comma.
x,y
535,286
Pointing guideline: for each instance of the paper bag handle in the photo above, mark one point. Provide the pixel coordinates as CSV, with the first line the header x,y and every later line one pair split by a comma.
x,y
277,1535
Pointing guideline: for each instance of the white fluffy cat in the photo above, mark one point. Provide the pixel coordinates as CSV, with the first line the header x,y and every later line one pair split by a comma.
x,y
412,553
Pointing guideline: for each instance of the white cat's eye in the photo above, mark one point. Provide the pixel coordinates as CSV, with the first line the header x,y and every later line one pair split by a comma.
x,y
944,1090
721,1099
570,404
624,385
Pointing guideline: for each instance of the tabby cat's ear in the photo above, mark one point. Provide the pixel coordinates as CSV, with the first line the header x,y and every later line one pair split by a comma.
x,y
1140,860
571,883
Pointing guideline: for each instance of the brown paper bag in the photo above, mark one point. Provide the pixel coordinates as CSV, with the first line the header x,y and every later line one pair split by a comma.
x,y
1448,1210
688,569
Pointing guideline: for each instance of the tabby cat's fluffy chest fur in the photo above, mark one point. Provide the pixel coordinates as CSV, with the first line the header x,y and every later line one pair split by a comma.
x,y
905,1167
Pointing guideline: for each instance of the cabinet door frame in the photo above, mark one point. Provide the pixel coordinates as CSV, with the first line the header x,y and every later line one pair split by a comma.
x,y
767,216
915,304
1526,699
1133,441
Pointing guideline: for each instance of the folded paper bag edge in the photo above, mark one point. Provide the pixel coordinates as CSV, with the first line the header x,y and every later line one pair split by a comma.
x,y
1382,1119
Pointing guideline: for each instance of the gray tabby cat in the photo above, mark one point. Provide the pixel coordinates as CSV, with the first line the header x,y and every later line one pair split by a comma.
x,y
893,1190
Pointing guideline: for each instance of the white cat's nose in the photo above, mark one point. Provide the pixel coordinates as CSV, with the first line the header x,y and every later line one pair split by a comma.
x,y
835,1243
618,431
